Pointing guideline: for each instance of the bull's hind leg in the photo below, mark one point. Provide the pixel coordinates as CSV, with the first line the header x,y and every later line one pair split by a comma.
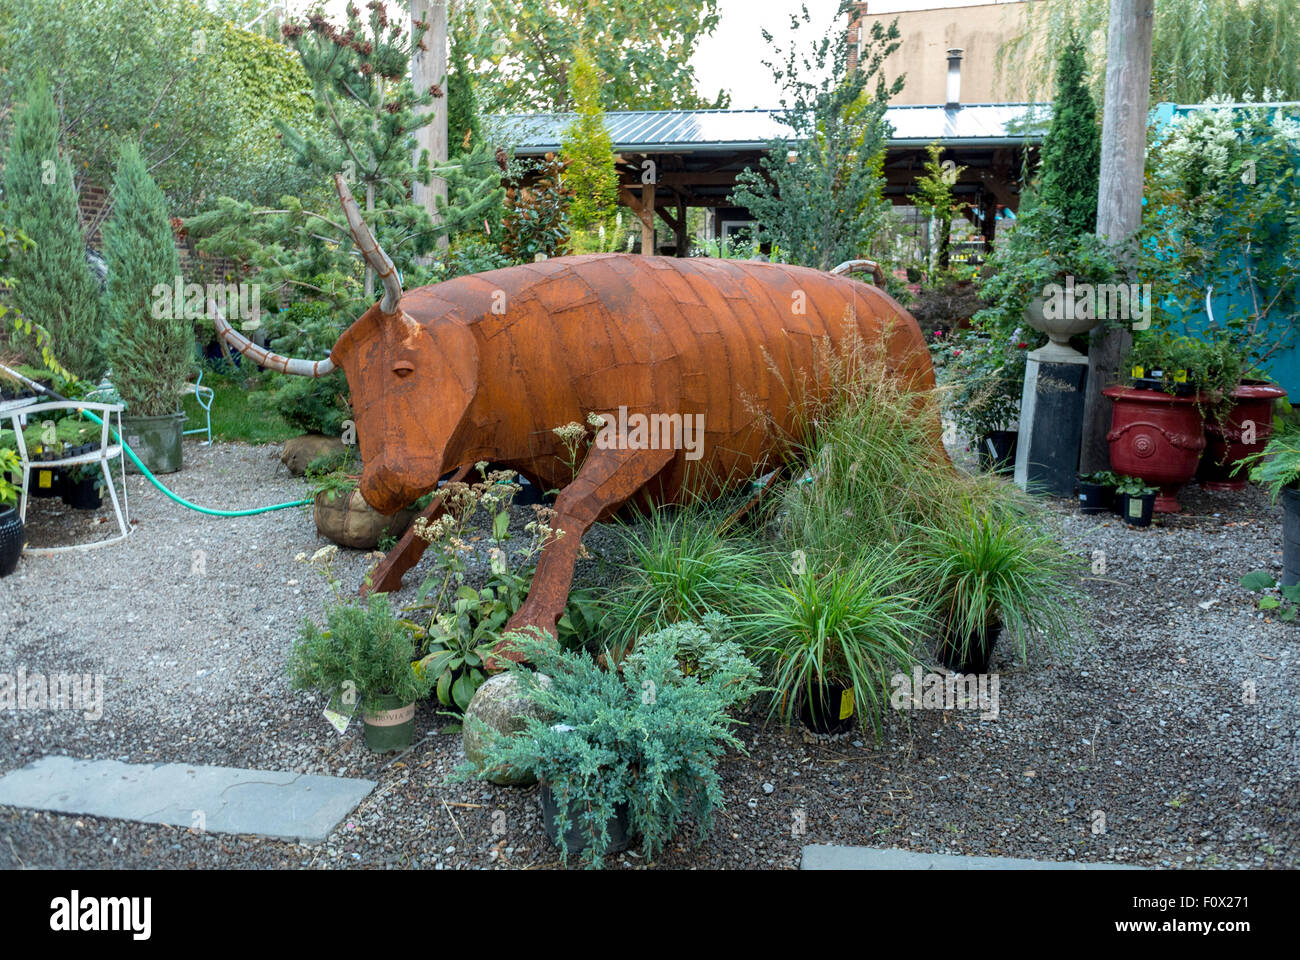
x,y
608,477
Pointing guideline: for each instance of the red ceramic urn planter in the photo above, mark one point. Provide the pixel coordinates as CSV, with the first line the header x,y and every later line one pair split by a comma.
x,y
1225,442
1157,437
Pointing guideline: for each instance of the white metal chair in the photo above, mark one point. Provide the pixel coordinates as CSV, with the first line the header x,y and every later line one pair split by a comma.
x,y
107,452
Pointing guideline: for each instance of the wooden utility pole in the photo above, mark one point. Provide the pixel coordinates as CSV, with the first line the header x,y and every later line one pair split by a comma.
x,y
429,67
1119,199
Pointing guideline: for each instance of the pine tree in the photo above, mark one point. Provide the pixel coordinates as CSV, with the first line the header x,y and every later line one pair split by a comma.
x,y
1071,162
54,286
587,147
149,349
367,106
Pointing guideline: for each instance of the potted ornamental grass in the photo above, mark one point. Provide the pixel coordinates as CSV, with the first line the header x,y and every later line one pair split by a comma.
x,y
1277,468
829,638
620,754
149,348
364,656
992,573
11,524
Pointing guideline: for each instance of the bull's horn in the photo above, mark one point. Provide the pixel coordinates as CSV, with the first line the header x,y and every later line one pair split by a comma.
x,y
265,358
852,266
365,240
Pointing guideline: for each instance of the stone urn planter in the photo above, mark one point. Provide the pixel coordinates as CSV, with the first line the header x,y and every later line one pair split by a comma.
x,y
1225,442
1157,437
1059,330
346,519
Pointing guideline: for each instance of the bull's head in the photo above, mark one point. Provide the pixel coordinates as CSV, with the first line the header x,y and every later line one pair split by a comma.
x,y
410,382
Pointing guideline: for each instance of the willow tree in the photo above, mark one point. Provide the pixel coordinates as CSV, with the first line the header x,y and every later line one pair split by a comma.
x,y
1241,49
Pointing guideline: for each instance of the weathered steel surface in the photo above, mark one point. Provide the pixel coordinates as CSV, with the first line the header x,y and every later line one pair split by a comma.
x,y
484,367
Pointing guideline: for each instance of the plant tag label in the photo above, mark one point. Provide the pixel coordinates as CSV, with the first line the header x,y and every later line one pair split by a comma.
x,y
1180,376
339,721
1135,508
44,478
846,704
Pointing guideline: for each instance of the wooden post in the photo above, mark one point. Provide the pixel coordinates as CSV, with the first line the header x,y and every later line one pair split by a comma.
x,y
648,219
1119,199
682,239
429,67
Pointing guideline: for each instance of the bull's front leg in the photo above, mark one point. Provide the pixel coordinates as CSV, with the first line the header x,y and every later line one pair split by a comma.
x,y
607,479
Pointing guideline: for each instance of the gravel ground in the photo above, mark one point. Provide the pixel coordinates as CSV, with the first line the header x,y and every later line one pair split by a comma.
x,y
1140,747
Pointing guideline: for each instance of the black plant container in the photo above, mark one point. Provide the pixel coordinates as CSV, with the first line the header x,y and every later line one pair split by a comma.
x,y
45,481
1137,511
574,838
84,494
830,710
978,652
1095,498
997,452
11,539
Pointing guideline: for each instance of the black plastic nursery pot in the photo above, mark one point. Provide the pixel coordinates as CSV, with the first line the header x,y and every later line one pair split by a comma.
x,y
1137,511
155,440
11,539
1095,498
390,726
831,709
83,494
978,650
1290,536
575,840
997,451
45,482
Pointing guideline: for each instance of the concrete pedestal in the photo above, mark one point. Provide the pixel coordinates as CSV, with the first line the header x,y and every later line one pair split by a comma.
x,y
1051,422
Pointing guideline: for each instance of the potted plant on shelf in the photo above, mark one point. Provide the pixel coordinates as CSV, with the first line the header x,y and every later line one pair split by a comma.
x,y
365,656
829,639
1157,429
1096,492
1136,501
990,574
1277,468
149,348
11,525
621,754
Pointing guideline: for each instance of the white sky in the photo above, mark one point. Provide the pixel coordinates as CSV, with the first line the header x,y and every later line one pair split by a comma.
x,y
732,58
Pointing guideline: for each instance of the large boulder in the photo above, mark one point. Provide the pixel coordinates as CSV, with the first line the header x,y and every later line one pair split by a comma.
x,y
498,705
299,452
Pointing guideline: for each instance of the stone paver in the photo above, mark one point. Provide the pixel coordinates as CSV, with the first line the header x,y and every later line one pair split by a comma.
x,y
285,806
831,857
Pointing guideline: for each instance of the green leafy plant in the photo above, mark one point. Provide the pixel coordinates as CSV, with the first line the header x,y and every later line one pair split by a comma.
x,y
852,623
1286,600
309,328
365,652
10,466
1133,486
702,649
1277,465
646,738
818,194
537,215
982,566
1105,478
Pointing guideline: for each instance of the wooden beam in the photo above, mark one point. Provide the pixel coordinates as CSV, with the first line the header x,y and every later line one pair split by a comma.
x,y
633,203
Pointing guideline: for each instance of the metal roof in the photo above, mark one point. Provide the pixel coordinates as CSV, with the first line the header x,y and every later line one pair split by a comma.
x,y
651,131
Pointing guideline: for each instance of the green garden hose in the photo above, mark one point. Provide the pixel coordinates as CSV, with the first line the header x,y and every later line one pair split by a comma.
x,y
46,391
181,500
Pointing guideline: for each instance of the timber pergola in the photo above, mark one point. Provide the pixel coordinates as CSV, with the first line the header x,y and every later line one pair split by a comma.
x,y
671,160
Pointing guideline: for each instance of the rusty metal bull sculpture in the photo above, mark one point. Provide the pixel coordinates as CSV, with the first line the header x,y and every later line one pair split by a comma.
x,y
483,367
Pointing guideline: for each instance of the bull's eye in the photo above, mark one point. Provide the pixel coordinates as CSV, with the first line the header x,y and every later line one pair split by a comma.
x,y
403,368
